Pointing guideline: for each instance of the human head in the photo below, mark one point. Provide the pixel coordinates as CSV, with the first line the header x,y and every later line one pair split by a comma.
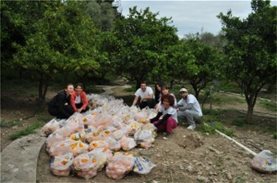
x,y
165,90
79,88
167,101
69,88
143,86
183,92
158,87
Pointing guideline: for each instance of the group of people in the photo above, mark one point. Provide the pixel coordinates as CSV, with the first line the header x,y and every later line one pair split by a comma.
x,y
68,101
169,110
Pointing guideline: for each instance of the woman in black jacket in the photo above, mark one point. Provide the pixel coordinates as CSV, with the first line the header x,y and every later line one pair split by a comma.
x,y
60,106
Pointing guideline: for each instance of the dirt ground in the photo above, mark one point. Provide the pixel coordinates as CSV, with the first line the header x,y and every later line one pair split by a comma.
x,y
21,109
185,156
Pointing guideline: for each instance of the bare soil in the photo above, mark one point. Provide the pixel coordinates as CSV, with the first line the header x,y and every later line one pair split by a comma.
x,y
185,156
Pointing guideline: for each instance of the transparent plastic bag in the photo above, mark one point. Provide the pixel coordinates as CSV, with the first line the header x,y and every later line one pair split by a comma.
x,y
50,127
141,117
119,166
145,138
78,147
98,144
68,145
143,165
127,143
101,155
85,165
114,145
79,136
60,148
118,134
265,162
133,127
61,165
53,139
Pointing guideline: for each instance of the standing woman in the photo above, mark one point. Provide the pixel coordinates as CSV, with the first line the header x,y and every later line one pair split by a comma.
x,y
79,100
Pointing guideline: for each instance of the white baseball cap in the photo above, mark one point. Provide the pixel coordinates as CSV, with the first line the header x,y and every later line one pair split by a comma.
x,y
183,90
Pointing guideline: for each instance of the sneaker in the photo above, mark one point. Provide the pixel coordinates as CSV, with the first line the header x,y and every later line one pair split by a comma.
x,y
191,127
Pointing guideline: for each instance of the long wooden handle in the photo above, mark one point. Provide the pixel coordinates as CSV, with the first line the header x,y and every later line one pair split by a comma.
x,y
236,142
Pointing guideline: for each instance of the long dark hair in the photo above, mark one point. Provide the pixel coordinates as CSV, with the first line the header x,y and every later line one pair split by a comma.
x,y
80,84
157,92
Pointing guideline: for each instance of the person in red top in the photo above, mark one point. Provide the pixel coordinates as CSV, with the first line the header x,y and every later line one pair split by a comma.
x,y
79,101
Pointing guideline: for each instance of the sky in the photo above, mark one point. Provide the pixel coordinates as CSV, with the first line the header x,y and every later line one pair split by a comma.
x,y
192,16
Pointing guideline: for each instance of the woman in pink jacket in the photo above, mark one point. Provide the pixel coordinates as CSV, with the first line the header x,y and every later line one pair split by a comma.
x,y
79,101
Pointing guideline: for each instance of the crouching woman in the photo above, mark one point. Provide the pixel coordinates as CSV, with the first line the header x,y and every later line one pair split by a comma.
x,y
79,101
166,119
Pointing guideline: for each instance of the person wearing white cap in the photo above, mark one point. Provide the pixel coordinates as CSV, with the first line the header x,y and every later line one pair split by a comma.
x,y
188,108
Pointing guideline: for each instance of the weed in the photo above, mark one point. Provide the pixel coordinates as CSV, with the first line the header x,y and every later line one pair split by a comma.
x,y
7,124
213,126
28,130
275,135
269,105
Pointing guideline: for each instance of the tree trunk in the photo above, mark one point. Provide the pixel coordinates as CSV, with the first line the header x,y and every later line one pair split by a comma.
x,y
211,104
42,89
171,84
137,83
249,115
196,92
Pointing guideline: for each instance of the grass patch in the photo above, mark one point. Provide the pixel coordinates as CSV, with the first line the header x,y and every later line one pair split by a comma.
x,y
212,127
212,112
131,89
224,99
275,135
239,179
229,87
239,122
269,105
44,118
7,124
26,131
93,89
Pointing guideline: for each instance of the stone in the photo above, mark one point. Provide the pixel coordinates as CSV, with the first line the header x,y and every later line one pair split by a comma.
x,y
214,150
185,161
189,169
194,161
229,176
202,179
181,167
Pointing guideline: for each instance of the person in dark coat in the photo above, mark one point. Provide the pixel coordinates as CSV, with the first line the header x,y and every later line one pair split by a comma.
x,y
60,106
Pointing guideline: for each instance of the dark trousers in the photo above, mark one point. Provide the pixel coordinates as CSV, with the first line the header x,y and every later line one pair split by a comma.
x,y
80,105
148,103
63,113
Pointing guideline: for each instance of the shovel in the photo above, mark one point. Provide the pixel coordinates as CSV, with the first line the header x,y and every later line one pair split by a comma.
x,y
264,162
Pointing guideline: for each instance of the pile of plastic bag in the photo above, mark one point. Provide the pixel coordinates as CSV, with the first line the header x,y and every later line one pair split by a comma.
x,y
87,143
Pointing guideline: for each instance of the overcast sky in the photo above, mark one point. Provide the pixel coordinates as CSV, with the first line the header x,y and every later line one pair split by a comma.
x,y
192,16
